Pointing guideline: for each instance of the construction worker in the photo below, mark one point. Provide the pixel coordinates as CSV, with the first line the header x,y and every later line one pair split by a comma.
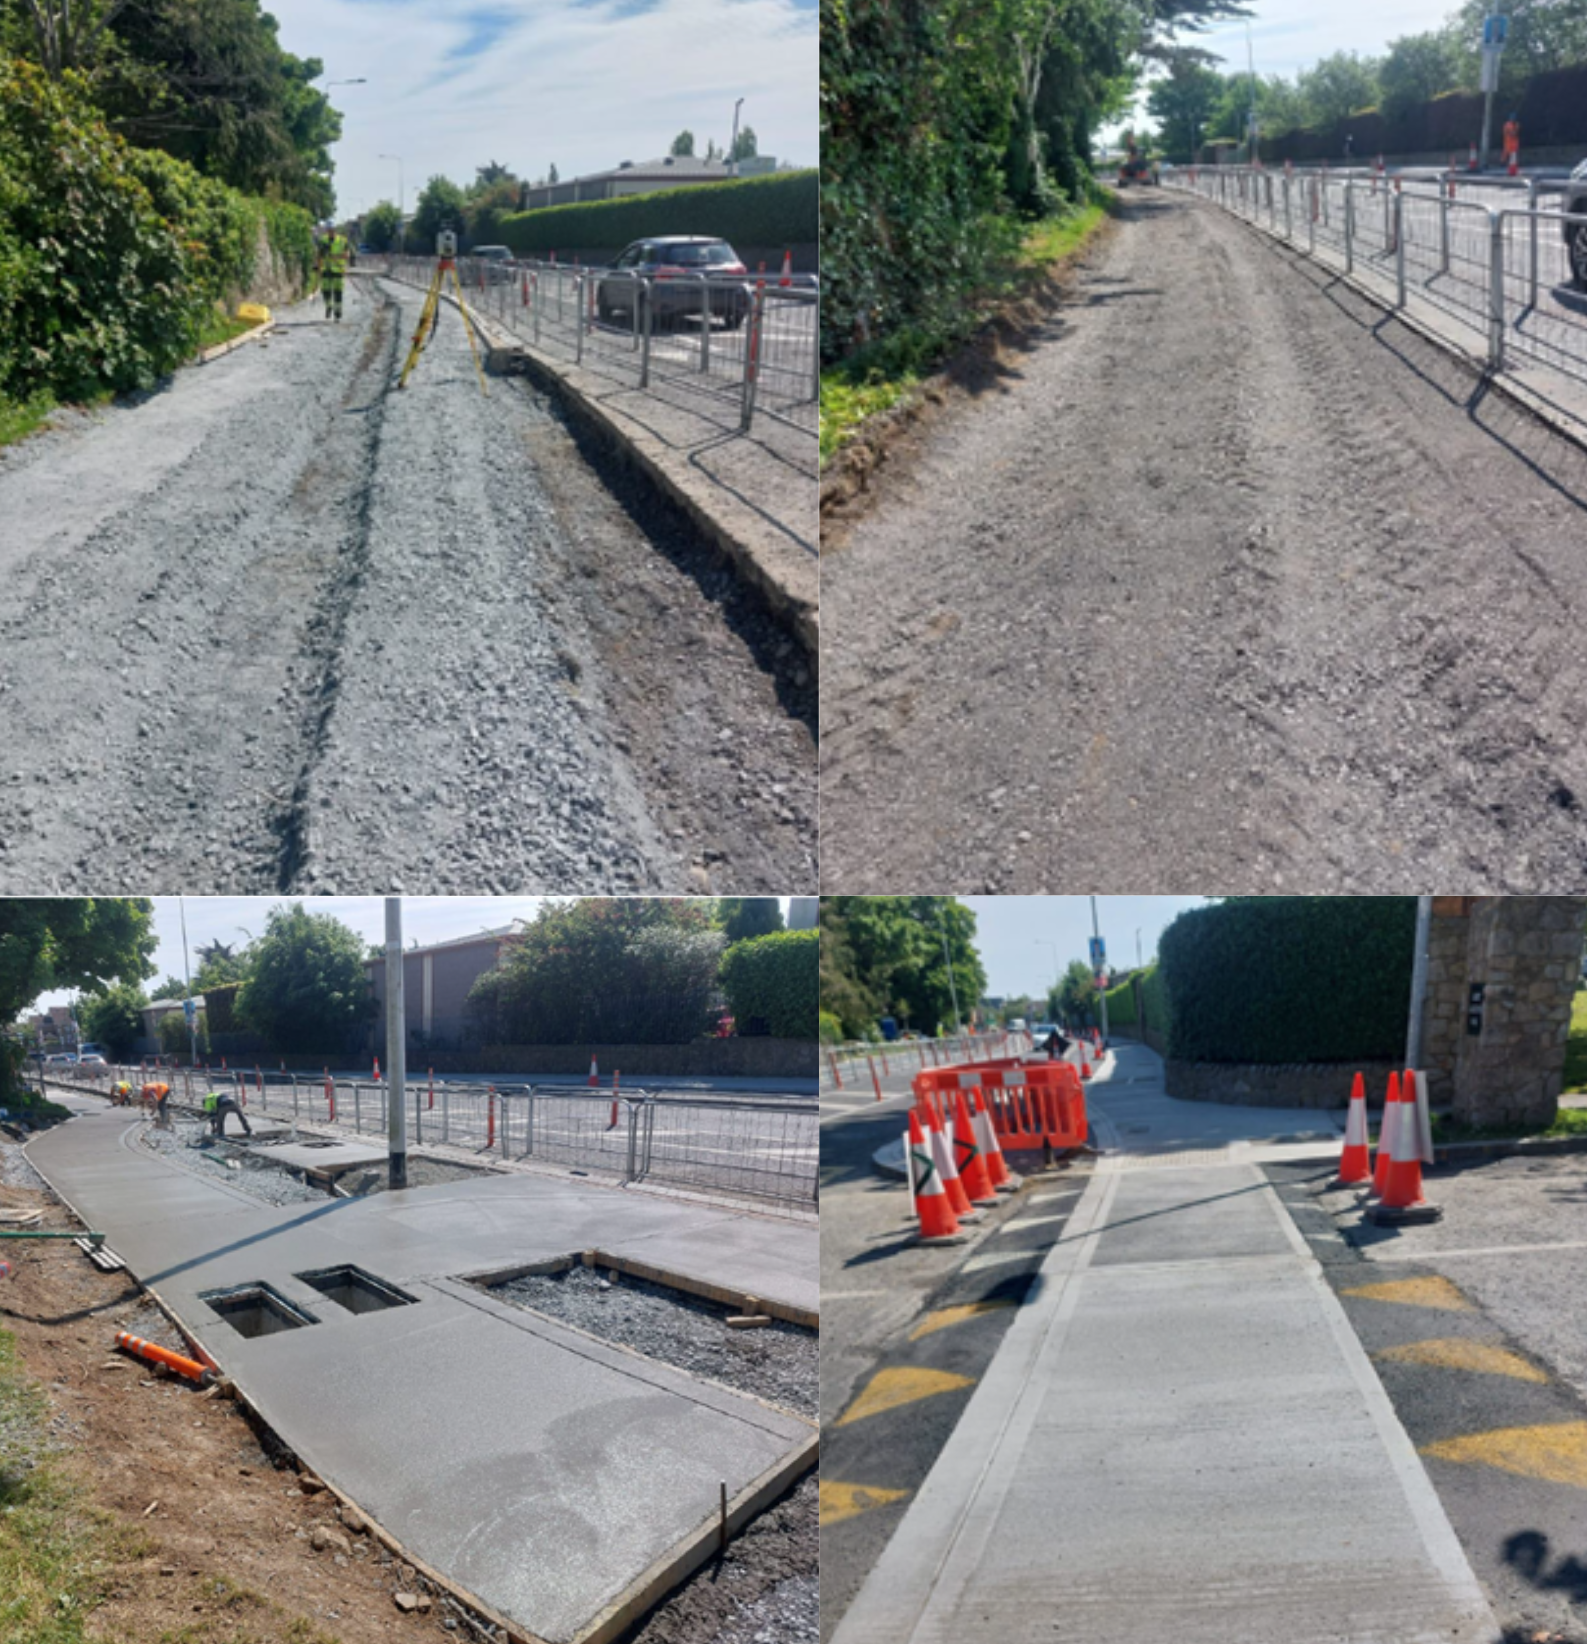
x,y
121,1093
217,1104
332,265
1512,142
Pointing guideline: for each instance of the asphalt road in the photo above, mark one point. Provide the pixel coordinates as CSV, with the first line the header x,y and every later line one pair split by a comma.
x,y
1224,579
281,628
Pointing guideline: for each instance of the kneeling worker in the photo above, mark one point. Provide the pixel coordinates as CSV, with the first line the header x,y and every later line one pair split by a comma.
x,y
332,264
121,1093
217,1104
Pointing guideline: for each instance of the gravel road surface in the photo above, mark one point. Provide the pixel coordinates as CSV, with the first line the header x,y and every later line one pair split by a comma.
x,y
279,627
1228,580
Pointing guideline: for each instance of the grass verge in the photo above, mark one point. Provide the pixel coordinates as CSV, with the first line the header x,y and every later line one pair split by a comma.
x,y
53,1563
19,418
882,375
220,328
1576,1044
1569,1121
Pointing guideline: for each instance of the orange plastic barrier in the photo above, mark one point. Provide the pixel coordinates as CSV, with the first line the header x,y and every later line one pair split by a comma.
x,y
1030,1105
191,1368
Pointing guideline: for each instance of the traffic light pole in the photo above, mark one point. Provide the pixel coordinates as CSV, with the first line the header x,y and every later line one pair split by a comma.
x,y
396,1049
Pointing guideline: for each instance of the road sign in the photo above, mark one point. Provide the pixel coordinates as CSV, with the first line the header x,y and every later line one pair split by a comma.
x,y
1494,30
190,1009
1099,953
1490,69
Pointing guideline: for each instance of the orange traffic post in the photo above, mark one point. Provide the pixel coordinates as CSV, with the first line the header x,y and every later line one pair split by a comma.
x,y
136,1345
1386,1133
938,1224
594,1080
490,1117
837,1078
967,1155
1355,1161
617,1079
876,1084
432,1087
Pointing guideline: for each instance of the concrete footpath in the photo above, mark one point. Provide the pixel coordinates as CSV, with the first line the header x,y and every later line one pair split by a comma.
x,y
1180,1436
563,1482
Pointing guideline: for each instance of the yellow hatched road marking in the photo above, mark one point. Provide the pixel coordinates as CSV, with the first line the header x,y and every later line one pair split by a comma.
x,y
842,1501
1457,1353
1432,1292
946,1316
888,1389
1555,1453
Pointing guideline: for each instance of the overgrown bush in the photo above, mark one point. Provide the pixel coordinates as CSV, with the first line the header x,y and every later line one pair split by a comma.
x,y
773,984
1289,979
831,1028
175,1040
777,210
111,257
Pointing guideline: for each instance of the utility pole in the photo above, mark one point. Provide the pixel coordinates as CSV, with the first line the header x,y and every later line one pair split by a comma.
x,y
1102,998
1494,28
1138,965
1413,1029
187,973
1250,59
396,1049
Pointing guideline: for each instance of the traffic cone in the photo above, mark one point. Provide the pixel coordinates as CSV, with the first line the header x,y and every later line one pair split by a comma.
x,y
594,1080
1515,163
967,1155
377,1069
1471,163
998,1173
958,1199
1355,1163
938,1224
787,269
1402,1200
1386,1134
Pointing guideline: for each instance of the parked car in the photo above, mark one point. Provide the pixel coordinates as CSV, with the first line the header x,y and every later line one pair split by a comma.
x,y
498,261
92,1049
92,1061
672,266
1574,204
60,1058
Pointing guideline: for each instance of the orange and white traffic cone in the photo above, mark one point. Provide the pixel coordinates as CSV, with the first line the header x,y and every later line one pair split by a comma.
x,y
1355,1161
997,1171
967,1155
1514,167
787,269
942,1152
377,1069
1386,1133
1471,162
938,1224
1402,1200
594,1080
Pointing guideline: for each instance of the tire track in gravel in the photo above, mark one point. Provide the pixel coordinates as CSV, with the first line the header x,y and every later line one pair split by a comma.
x,y
1237,584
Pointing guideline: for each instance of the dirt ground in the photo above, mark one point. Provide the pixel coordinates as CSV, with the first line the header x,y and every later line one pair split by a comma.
x,y
203,1524
1221,576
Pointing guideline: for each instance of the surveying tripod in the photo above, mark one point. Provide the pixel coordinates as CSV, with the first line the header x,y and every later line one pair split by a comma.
x,y
429,315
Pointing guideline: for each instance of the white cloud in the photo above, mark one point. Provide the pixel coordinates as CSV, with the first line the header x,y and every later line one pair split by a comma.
x,y
581,85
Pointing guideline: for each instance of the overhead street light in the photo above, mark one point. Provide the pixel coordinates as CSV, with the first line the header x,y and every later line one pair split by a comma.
x,y
732,147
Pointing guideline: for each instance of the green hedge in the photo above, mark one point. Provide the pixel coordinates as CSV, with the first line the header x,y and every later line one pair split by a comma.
x,y
111,258
1289,979
772,984
782,209
1121,1005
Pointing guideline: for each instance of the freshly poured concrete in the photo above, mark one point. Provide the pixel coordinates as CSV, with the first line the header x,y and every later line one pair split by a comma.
x,y
1180,1438
541,1470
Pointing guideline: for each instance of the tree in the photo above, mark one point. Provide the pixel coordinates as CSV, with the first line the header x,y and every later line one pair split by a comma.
x,y
482,215
380,226
1337,86
1182,101
1417,68
637,970
114,1018
83,943
683,144
1074,999
219,963
744,917
883,955
744,145
306,987
173,987
712,152
65,42
551,173
1543,34
441,205
175,1037
490,174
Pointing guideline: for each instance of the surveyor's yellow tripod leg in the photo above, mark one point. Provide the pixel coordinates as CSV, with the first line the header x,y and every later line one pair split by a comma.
x,y
427,319
468,327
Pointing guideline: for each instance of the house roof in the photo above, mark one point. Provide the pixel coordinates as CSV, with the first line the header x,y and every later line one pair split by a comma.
x,y
495,934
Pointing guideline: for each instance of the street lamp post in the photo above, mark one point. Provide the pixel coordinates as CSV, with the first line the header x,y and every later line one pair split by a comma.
x,y
402,236
732,147
1102,998
396,1049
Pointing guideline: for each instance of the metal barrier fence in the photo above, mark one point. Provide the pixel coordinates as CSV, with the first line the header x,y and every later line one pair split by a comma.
x,y
1501,271
751,345
854,1065
759,1149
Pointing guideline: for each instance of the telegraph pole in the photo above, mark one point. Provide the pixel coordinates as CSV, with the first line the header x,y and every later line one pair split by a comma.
x,y
396,1049
1102,997
189,1009
1419,959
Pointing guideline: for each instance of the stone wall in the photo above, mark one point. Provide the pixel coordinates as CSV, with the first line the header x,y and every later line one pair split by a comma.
x,y
1299,1084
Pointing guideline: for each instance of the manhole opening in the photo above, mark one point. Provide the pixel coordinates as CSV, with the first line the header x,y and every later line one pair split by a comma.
x,y
357,1291
256,1310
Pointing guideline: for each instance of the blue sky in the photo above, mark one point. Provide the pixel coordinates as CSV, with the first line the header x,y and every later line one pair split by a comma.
x,y
237,919
585,84
1017,934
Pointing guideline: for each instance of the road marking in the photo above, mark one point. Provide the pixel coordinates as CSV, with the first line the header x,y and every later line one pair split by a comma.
x,y
842,1501
1478,1250
996,1258
1555,1453
944,1317
1021,1222
888,1389
1433,1292
1459,1353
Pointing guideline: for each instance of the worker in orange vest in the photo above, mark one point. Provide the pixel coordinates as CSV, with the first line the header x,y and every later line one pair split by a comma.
x,y
1512,139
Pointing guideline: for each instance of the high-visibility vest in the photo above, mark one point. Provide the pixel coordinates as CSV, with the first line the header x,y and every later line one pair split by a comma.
x,y
333,255
1512,137
212,1101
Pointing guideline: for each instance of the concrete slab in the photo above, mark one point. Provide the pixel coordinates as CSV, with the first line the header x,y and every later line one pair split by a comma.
x,y
324,1158
1180,1438
564,1482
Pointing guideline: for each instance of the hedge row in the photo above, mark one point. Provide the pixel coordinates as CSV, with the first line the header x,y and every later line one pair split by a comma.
x,y
1289,979
1552,108
772,984
781,209
111,257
